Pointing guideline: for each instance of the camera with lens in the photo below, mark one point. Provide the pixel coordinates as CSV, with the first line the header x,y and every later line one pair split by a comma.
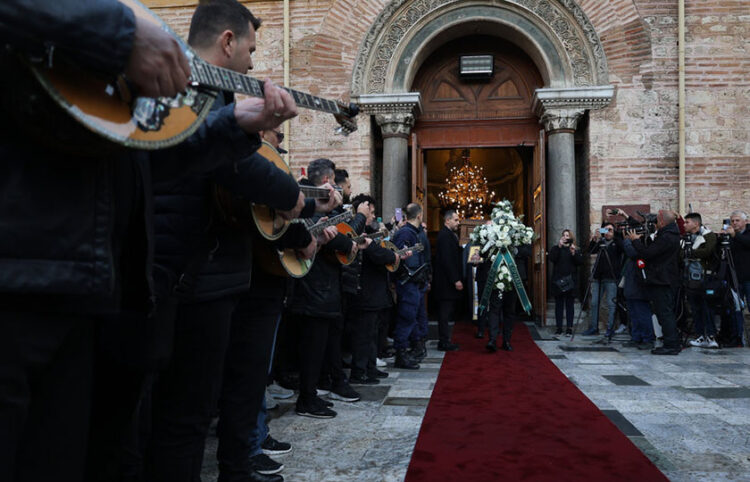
x,y
723,238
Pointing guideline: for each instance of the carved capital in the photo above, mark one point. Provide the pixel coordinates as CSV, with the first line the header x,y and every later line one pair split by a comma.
x,y
396,124
561,119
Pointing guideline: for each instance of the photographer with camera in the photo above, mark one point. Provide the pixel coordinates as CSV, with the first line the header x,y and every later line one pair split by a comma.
x,y
699,258
566,258
605,275
658,270
738,233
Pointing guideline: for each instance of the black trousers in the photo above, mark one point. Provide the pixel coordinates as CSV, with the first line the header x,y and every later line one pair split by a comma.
x,y
313,336
185,395
662,303
245,375
332,367
447,309
498,312
46,363
364,326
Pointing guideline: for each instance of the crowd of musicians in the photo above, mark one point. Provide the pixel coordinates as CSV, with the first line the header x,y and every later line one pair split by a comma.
x,y
138,301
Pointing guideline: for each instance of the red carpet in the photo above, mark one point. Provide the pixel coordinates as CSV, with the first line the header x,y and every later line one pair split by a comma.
x,y
515,416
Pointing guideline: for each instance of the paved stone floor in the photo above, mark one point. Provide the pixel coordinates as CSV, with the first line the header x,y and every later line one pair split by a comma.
x,y
690,414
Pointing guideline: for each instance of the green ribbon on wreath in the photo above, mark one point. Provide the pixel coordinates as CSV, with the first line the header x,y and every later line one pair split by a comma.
x,y
504,257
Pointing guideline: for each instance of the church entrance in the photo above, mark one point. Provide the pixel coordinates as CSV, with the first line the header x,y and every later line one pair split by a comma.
x,y
490,121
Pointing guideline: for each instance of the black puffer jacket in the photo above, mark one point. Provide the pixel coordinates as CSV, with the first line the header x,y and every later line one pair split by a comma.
x,y
564,263
184,224
661,257
319,293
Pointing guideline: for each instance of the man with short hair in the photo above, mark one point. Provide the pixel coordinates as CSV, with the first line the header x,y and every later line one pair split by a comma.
x,y
447,281
411,287
701,253
604,279
341,179
739,242
660,273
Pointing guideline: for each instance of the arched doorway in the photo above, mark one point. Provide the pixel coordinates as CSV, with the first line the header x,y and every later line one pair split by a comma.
x,y
490,119
555,35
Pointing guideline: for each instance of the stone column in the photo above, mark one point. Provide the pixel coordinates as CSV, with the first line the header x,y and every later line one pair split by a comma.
x,y
560,125
395,114
396,165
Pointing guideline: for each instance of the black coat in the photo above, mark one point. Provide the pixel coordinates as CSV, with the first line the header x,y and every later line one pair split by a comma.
x,y
564,263
610,261
661,257
374,293
318,294
740,246
447,267
185,224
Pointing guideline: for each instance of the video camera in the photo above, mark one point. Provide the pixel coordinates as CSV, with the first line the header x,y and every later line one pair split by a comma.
x,y
723,238
647,227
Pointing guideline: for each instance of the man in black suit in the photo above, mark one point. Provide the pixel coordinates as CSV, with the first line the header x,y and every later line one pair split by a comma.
x,y
447,281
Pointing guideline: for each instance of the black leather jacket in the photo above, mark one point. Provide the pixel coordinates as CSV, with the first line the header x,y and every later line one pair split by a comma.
x,y
661,257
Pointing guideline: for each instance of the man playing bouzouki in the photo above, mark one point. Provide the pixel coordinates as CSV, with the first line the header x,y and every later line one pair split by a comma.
x,y
77,235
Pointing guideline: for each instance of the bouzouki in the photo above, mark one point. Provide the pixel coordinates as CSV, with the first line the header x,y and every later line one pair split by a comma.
x,y
288,262
109,108
266,220
389,245
347,230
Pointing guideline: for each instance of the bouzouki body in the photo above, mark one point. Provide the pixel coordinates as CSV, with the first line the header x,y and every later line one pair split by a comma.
x,y
270,225
389,245
109,108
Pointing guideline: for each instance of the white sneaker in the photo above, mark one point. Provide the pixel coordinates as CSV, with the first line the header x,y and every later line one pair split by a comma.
x,y
380,363
271,402
699,342
711,342
278,392
621,329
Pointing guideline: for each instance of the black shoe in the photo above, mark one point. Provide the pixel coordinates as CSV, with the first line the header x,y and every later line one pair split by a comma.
x,y
378,374
325,403
314,410
491,346
447,346
418,350
344,392
646,346
271,446
569,332
631,344
405,361
480,334
254,476
506,346
558,331
663,350
356,380
263,464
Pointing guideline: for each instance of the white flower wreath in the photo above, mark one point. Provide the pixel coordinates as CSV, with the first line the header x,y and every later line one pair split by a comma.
x,y
505,231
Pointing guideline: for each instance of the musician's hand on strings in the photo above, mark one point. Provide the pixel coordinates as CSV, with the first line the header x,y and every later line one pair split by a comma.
x,y
365,243
276,106
405,255
327,235
309,251
459,286
294,212
328,205
157,66
355,248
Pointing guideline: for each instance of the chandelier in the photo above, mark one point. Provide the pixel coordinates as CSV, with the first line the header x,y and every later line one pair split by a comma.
x,y
467,189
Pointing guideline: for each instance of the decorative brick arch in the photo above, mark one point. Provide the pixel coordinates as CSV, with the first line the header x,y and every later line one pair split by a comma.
x,y
556,34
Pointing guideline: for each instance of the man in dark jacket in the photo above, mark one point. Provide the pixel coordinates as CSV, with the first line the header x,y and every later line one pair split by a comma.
x,y
190,237
447,281
701,254
608,248
411,286
661,274
370,304
316,306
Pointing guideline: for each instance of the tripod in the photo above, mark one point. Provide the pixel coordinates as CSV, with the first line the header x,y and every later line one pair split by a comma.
x,y
732,297
602,249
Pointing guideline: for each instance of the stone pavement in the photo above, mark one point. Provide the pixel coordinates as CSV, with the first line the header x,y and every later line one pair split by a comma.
x,y
690,414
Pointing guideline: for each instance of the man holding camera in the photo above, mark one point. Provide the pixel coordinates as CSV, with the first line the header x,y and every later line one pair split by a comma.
x,y
739,242
699,256
658,267
606,272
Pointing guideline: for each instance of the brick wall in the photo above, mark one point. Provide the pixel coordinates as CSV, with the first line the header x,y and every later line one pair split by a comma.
x,y
632,145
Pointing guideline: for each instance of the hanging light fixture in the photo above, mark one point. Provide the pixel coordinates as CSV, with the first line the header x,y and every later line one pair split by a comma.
x,y
467,190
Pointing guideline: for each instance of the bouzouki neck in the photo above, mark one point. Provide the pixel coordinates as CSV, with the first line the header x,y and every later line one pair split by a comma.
x,y
317,228
316,192
414,249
